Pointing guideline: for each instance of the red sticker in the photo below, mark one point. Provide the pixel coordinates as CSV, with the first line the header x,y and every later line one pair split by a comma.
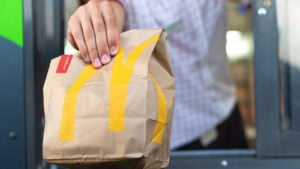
x,y
64,63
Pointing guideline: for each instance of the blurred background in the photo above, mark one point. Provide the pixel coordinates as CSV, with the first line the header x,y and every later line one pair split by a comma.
x,y
239,50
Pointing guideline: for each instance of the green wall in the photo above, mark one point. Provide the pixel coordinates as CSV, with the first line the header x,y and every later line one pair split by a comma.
x,y
11,21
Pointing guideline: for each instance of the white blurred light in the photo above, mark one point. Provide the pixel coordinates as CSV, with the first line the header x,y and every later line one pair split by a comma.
x,y
69,48
237,46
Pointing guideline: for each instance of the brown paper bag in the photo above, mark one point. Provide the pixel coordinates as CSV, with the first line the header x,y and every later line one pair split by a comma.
x,y
118,116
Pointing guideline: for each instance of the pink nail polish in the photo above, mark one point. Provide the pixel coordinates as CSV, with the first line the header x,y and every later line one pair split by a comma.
x,y
105,58
97,62
113,50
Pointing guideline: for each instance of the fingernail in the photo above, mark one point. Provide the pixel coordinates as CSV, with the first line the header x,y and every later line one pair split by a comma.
x,y
105,58
113,50
87,58
97,62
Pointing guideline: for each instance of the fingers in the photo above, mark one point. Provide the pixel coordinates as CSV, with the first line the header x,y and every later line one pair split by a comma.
x,y
71,38
90,39
100,33
76,38
111,27
93,30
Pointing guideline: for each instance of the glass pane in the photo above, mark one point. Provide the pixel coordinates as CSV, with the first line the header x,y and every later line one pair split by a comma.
x,y
288,15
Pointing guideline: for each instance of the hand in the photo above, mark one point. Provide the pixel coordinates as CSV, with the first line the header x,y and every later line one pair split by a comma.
x,y
94,29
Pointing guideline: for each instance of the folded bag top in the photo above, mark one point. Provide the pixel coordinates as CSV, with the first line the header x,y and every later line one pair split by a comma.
x,y
117,116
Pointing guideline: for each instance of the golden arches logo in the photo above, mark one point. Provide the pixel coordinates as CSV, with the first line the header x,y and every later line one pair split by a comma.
x,y
120,78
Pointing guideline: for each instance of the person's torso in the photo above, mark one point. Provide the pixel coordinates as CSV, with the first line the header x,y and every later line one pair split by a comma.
x,y
196,42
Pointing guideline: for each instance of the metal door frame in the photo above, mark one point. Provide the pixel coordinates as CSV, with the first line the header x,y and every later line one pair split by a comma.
x,y
43,39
